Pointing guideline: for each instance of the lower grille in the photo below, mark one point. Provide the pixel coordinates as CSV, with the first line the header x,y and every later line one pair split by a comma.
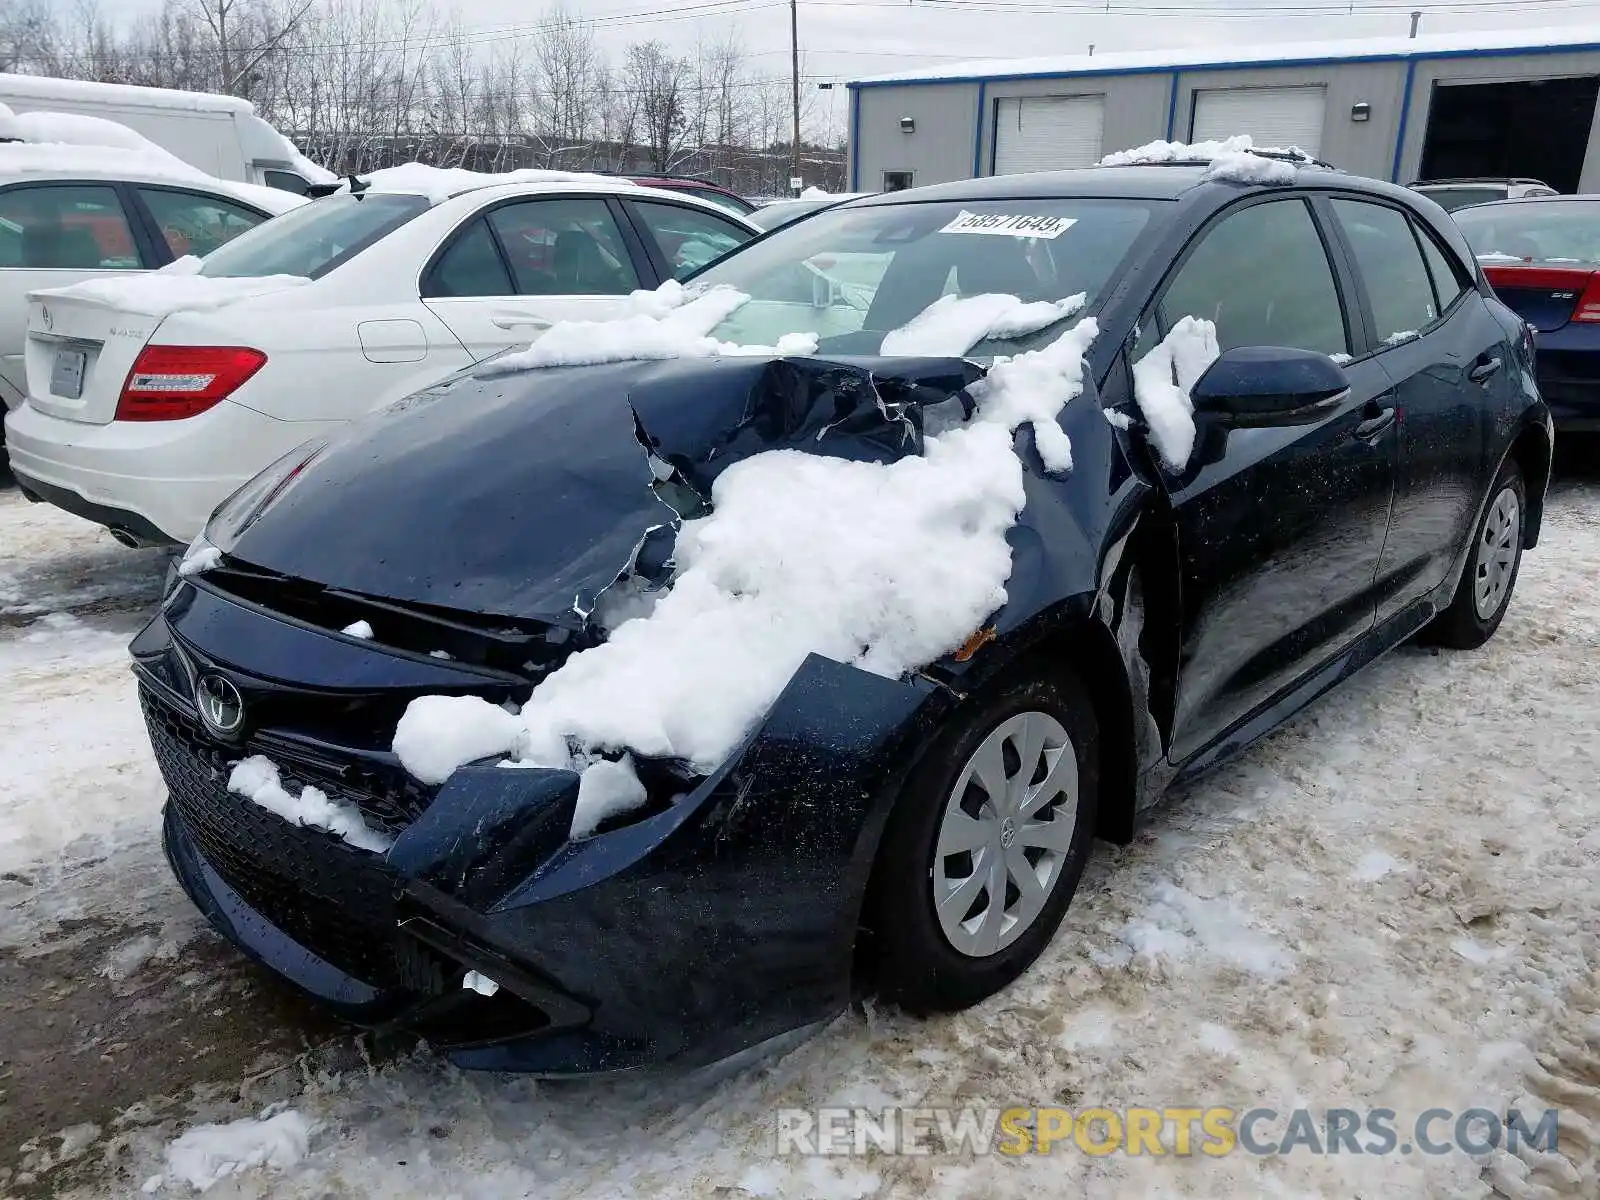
x,y
336,901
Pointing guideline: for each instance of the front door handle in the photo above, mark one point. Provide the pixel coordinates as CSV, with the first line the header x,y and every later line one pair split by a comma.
x,y
1372,427
509,318
1484,369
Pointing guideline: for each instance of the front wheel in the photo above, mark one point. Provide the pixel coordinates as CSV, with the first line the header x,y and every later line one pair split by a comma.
x,y
985,846
1484,592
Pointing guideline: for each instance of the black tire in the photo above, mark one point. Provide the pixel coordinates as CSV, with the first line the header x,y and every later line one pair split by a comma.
x,y
1461,626
915,963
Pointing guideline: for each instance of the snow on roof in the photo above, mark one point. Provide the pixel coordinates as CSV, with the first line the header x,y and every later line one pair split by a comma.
x,y
73,144
263,143
39,87
1268,53
63,158
1236,159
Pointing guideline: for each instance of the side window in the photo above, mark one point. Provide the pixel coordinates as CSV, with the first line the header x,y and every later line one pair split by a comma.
x,y
1263,276
195,224
1449,280
689,237
569,247
1398,285
470,266
286,181
74,228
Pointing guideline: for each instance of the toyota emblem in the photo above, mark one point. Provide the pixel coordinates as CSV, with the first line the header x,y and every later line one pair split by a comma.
x,y
44,314
220,704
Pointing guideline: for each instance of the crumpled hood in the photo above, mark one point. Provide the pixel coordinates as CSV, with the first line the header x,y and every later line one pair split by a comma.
x,y
524,495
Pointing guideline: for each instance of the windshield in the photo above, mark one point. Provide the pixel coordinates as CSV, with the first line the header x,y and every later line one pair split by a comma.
x,y
1542,231
315,238
851,275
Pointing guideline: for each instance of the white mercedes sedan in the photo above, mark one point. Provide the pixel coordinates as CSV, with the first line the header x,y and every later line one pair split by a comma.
x,y
152,398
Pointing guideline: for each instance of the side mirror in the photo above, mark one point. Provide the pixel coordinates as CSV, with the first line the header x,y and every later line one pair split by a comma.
x,y
1269,385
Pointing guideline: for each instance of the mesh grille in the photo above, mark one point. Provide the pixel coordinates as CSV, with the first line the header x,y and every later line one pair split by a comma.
x,y
336,901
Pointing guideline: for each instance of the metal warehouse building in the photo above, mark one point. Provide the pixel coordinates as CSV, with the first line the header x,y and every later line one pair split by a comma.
x,y
1508,103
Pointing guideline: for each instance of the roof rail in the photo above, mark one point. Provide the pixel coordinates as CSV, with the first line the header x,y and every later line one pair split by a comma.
x,y
661,175
1516,179
1298,157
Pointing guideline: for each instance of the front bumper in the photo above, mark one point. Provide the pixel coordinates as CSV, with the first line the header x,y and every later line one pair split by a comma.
x,y
724,919
164,476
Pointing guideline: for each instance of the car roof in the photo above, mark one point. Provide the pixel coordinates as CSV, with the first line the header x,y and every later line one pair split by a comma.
x,y
575,187
1144,181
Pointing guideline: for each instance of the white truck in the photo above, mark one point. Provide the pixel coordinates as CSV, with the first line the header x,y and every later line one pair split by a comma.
x,y
221,135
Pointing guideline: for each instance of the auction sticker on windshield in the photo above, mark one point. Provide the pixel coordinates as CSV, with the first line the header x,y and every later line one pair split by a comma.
x,y
1014,225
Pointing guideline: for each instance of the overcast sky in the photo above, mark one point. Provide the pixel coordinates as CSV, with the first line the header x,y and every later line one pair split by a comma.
x,y
845,39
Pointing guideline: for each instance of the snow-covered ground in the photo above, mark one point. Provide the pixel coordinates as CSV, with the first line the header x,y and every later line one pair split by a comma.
x,y
1391,902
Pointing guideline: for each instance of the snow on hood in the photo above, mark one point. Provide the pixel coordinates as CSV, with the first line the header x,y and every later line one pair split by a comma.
x,y
884,565
174,288
1237,159
671,322
438,184
954,325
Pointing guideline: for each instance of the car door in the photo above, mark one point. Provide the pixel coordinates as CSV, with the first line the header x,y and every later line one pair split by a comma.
x,y
516,267
1280,529
682,238
1446,358
53,234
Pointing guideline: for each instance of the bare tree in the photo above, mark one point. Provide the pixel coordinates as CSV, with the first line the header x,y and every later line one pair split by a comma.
x,y
361,84
570,76
657,81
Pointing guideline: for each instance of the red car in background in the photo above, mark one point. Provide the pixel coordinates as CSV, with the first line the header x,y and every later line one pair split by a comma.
x,y
1542,256
704,189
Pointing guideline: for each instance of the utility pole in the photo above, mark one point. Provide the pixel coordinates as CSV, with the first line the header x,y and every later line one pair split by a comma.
x,y
794,54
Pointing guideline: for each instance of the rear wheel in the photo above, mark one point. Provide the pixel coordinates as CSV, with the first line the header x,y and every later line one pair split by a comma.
x,y
1484,592
985,847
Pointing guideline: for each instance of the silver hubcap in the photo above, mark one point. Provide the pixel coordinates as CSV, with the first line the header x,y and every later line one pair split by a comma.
x,y
1497,554
1005,835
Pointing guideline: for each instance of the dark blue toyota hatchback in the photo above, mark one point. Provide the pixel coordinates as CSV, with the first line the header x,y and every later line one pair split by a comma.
x,y
1306,431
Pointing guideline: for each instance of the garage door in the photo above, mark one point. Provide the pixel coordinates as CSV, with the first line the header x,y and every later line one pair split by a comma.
x,y
1284,117
1047,133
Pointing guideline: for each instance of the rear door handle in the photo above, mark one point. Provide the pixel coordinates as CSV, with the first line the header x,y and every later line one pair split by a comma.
x,y
1370,429
1483,369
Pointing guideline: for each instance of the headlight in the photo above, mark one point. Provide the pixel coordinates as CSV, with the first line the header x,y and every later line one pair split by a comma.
x,y
236,514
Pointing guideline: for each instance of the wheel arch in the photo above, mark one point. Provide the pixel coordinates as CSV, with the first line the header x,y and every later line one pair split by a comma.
x,y
1531,450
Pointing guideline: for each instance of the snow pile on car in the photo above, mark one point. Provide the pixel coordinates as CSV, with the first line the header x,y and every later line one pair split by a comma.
x,y
952,321
56,143
670,323
1236,159
176,287
1162,381
256,778
884,566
